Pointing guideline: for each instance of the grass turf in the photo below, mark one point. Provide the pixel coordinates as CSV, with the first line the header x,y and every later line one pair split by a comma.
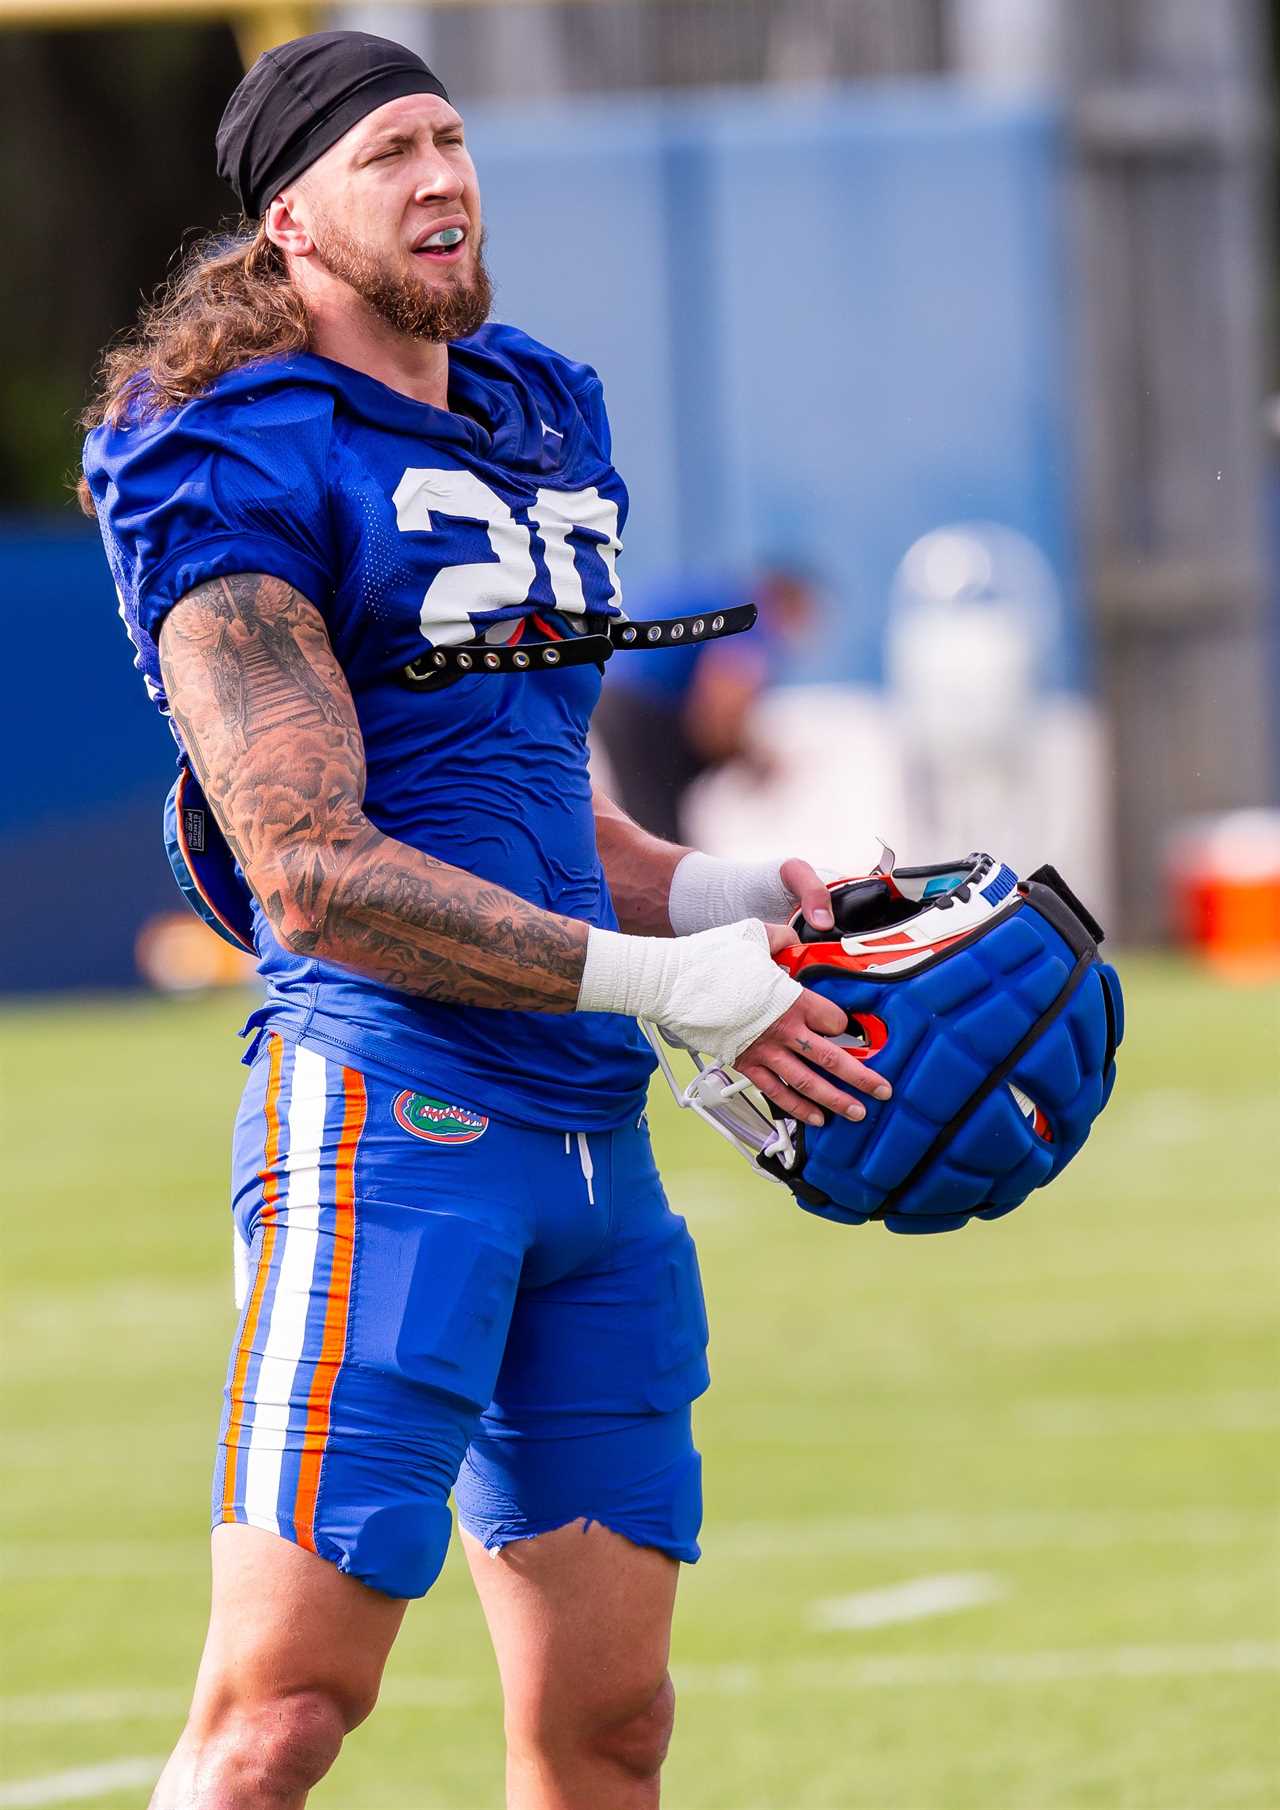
x,y
1077,1403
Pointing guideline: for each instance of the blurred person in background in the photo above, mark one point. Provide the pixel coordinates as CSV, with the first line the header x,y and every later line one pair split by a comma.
x,y
459,1272
668,717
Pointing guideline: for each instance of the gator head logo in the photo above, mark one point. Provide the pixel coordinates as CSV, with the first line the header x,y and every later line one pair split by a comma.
x,y
436,1121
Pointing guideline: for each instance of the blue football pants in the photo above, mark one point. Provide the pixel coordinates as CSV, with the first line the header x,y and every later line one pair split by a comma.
x,y
436,1301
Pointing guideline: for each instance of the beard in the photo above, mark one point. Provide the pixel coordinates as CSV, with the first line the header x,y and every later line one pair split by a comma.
x,y
405,300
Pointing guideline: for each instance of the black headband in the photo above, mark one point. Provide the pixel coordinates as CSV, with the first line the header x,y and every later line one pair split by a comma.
x,y
300,98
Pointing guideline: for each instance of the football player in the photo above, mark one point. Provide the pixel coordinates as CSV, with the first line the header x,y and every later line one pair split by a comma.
x,y
361,538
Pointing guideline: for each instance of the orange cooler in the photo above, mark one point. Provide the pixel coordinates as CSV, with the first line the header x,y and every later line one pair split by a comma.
x,y
1225,884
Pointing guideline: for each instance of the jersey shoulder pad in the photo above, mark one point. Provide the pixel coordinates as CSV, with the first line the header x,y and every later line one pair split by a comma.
x,y
558,380
232,481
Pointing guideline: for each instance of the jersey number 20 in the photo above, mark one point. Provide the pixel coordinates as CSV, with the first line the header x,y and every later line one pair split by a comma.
x,y
457,593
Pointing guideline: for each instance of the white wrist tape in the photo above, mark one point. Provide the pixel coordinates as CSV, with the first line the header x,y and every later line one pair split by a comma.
x,y
715,992
706,892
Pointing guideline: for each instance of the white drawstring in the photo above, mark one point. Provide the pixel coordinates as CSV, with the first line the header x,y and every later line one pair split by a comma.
x,y
584,1161
584,1157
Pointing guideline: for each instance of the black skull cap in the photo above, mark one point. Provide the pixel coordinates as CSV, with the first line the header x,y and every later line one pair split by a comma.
x,y
300,98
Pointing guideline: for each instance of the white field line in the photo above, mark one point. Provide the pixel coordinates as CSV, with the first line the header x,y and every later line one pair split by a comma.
x,y
1084,1530
1069,1665
1045,1417
43,1707
1041,1667
1170,1116
1222,1411
913,1600
45,1448
105,1559
705,1194
53,1707
80,1783
1069,1326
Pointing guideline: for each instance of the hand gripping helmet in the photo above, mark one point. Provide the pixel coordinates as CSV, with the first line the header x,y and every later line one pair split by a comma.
x,y
983,1001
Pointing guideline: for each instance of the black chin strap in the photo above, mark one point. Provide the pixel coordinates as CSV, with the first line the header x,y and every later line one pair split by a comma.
x,y
439,664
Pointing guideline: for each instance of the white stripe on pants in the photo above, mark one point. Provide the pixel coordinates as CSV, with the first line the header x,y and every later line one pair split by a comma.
x,y
299,1229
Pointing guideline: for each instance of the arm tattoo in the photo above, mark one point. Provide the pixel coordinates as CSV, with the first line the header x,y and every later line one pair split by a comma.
x,y
266,715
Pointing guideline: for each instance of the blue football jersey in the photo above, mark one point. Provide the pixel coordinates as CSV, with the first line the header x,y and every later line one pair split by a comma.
x,y
411,527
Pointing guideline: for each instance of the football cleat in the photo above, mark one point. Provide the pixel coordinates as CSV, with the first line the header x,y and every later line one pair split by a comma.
x,y
983,1000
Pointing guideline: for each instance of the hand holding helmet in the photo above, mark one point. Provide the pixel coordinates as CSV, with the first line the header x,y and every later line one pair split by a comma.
x,y
718,991
801,1061
983,1001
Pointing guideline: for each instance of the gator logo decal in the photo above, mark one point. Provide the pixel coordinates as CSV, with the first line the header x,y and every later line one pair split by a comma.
x,y
437,1121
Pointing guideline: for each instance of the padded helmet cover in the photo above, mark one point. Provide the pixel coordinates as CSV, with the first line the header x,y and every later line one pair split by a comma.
x,y
982,999
203,865
985,1004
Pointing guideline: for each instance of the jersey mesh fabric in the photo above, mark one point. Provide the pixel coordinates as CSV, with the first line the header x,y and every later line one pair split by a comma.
x,y
409,526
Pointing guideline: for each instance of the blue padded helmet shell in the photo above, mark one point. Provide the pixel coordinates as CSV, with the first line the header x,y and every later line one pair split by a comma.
x,y
999,1039
203,865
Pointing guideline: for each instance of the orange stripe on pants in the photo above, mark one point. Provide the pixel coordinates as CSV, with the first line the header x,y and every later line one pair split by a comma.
x,y
334,1340
270,1177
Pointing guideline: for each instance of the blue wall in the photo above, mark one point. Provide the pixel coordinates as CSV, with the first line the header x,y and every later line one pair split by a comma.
x,y
827,323
87,764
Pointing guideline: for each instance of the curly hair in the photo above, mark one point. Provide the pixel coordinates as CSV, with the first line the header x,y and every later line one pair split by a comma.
x,y
229,302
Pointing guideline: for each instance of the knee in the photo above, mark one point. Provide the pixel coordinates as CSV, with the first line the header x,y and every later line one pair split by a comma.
x,y
275,1746
635,1736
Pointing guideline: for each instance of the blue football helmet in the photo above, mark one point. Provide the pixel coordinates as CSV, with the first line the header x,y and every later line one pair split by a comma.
x,y
982,999
203,865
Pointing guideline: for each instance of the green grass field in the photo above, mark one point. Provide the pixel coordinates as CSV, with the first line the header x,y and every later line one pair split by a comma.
x,y
1075,1409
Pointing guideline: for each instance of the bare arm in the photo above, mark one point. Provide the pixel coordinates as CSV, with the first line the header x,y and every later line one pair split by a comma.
x,y
637,866
267,718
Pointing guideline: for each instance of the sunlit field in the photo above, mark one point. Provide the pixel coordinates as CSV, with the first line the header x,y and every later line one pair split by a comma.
x,y
1060,1428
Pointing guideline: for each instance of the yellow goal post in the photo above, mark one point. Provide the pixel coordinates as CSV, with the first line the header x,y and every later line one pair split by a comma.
x,y
258,24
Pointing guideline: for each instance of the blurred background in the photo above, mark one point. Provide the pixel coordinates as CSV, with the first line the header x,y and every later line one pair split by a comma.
x,y
997,405
947,331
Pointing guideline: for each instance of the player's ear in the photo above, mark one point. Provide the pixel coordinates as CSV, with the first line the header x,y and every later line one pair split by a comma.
x,y
283,227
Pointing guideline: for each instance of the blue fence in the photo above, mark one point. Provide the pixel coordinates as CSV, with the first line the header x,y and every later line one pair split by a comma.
x,y
827,323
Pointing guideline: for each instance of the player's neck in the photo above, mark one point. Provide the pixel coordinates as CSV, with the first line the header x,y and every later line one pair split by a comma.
x,y
415,367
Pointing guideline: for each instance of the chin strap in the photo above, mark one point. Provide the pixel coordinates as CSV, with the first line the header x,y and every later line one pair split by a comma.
x,y
593,649
733,1107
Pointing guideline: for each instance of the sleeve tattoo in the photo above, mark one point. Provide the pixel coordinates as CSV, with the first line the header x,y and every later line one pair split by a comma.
x,y
267,718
